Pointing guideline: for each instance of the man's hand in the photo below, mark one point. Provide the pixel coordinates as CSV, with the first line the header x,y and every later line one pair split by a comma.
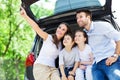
x,y
111,60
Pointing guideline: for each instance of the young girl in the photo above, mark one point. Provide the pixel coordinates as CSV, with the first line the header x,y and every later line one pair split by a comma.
x,y
44,66
85,56
68,58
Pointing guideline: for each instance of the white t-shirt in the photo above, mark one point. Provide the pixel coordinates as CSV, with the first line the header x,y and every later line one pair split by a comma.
x,y
84,55
68,59
48,53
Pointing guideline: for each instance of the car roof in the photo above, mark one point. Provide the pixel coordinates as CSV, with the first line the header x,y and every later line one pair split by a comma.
x,y
68,15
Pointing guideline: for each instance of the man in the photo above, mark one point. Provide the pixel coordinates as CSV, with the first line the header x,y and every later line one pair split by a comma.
x,y
101,35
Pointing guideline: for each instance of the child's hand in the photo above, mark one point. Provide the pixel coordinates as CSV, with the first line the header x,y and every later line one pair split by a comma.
x,y
72,72
64,78
83,67
70,78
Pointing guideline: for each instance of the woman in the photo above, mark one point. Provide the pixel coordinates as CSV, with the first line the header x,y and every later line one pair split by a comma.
x,y
44,66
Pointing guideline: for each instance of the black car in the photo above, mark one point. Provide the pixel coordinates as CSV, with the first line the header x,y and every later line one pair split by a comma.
x,y
65,11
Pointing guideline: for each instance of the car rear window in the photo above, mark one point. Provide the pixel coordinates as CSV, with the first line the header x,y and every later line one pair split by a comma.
x,y
65,5
45,8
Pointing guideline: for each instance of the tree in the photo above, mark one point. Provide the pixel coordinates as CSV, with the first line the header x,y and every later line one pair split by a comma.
x,y
16,38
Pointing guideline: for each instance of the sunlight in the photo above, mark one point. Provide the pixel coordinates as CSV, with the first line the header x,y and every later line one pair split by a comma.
x,y
117,72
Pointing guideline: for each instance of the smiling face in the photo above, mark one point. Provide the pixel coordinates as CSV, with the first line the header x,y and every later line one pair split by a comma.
x,y
68,41
61,30
82,19
79,38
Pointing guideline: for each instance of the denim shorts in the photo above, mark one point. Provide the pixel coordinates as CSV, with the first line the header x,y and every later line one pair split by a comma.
x,y
67,69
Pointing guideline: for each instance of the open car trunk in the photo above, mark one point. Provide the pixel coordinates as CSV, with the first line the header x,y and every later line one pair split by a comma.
x,y
68,14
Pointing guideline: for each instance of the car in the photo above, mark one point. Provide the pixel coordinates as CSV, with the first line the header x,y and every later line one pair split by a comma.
x,y
65,11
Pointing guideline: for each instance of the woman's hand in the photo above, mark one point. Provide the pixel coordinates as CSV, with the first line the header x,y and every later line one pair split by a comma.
x,y
23,12
33,24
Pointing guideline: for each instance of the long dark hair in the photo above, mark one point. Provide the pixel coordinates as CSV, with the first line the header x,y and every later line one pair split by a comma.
x,y
55,39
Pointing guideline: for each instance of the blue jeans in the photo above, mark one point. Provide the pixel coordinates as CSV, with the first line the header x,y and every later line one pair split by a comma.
x,y
101,71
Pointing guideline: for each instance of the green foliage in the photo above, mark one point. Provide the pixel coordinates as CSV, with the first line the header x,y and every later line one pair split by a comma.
x,y
40,11
16,38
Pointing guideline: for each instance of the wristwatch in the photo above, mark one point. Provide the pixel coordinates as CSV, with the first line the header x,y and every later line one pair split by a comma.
x,y
115,55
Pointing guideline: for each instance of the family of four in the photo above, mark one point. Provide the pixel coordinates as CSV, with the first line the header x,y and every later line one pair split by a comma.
x,y
77,60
